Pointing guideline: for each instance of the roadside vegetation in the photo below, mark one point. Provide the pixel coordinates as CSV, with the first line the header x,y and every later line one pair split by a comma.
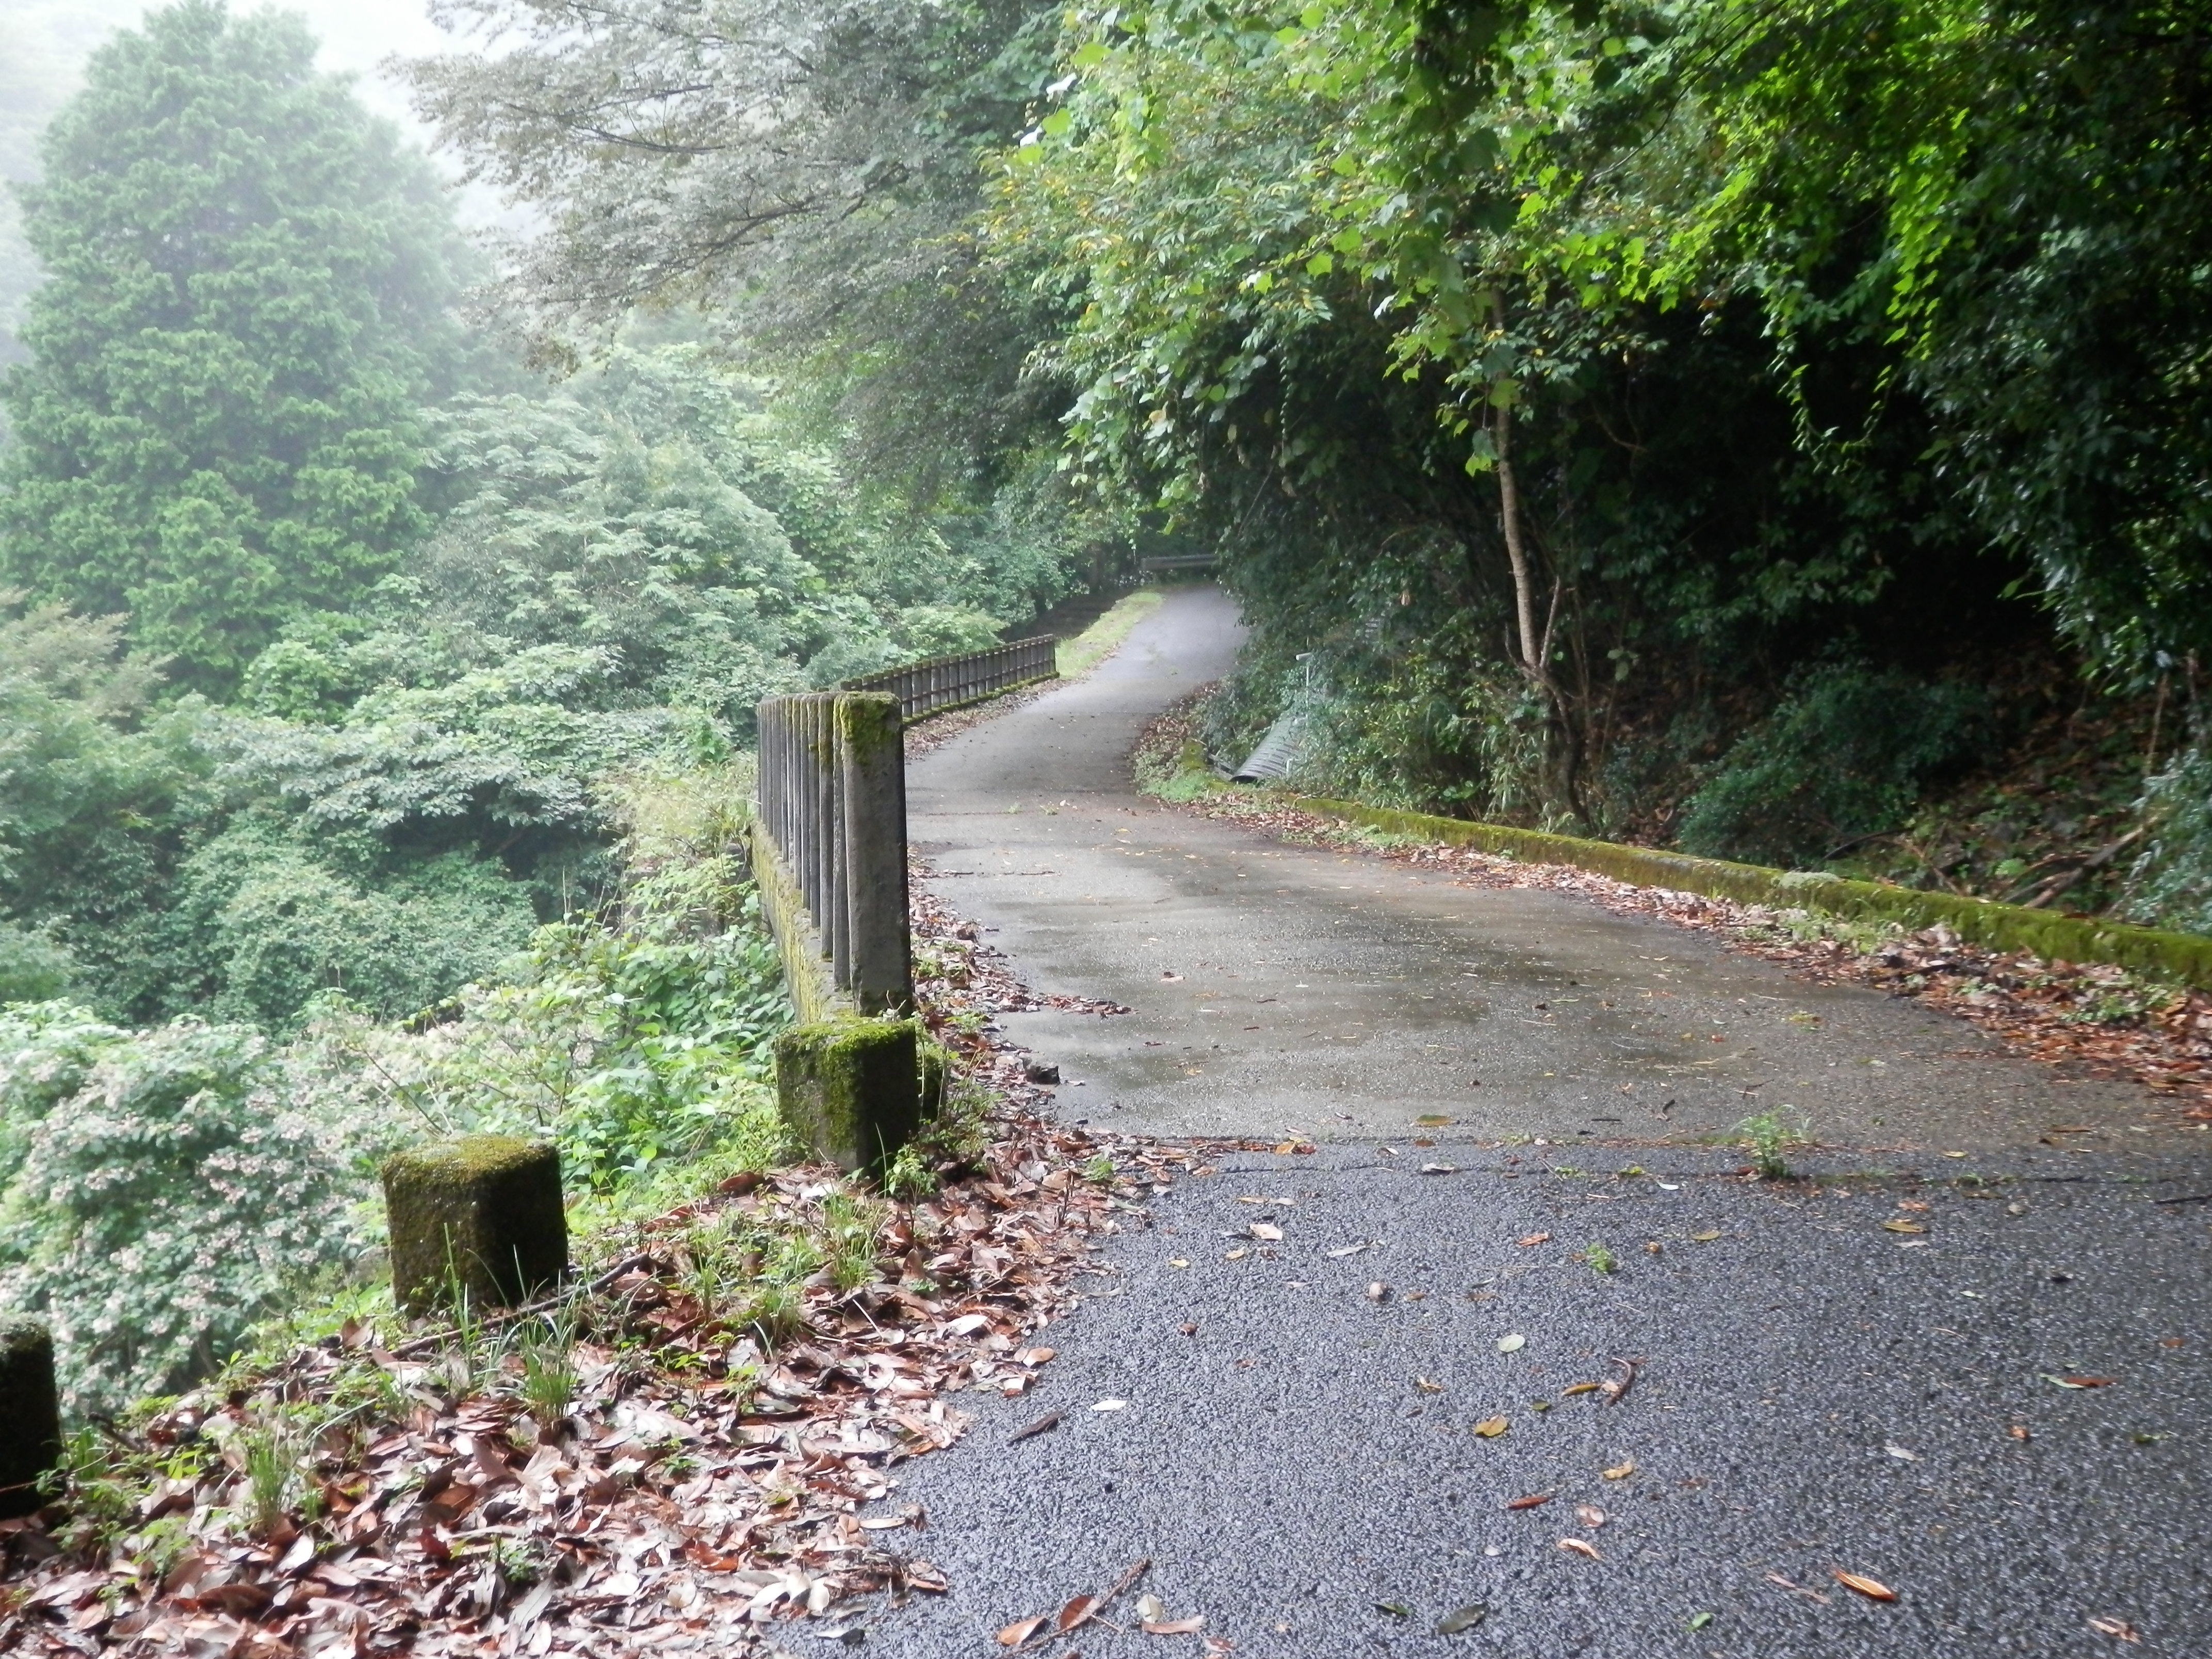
x,y
1777,432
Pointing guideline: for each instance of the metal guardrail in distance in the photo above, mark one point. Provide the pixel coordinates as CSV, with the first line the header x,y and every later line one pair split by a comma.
x,y
832,781
936,682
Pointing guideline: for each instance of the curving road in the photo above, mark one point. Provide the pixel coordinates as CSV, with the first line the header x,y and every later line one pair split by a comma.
x,y
1280,989
1816,1390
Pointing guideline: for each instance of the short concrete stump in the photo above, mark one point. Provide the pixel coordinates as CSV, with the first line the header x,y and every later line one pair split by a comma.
x,y
851,1089
30,1412
481,1217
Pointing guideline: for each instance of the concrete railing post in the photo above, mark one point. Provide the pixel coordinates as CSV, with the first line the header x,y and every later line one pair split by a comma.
x,y
30,1405
479,1216
872,758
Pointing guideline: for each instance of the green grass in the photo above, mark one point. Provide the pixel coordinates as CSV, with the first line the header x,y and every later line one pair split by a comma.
x,y
1079,656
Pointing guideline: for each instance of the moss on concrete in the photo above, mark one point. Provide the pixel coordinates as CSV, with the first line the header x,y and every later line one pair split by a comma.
x,y
851,1089
868,724
806,973
30,1412
2186,957
483,1213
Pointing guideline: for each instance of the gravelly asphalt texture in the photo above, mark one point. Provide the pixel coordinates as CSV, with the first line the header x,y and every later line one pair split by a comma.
x,y
1288,1470
1814,1392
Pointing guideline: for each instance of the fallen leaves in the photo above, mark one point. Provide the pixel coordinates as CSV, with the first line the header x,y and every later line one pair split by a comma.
x,y
1899,1225
1491,1427
2080,1382
1534,1500
1621,1470
1462,1619
1512,1344
1873,1588
1044,1424
1533,1239
1706,1237
1581,1547
2118,1628
1591,1515
697,1477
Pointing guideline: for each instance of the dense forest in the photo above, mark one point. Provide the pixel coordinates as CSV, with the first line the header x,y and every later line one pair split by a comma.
x,y
1780,431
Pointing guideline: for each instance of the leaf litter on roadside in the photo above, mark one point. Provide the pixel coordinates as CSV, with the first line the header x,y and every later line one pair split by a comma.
x,y
696,1473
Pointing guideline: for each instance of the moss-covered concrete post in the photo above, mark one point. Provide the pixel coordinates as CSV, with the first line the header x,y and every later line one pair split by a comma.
x,y
851,1089
30,1412
872,758
482,1214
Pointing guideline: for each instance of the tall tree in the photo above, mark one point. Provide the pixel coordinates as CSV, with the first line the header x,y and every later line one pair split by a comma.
x,y
249,296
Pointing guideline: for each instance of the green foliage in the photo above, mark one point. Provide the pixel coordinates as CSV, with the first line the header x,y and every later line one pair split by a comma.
x,y
160,1191
635,1039
1767,1137
1846,755
2170,883
248,301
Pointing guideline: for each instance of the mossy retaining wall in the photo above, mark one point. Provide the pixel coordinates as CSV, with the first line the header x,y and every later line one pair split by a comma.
x,y
2183,956
814,995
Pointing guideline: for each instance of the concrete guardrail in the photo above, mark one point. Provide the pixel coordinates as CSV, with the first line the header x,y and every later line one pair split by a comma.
x,y
829,849
941,683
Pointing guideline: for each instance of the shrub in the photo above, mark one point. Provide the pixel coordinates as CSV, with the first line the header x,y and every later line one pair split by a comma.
x,y
2170,883
159,1191
1845,755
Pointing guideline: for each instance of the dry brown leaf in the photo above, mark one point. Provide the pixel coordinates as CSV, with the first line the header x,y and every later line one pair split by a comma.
x,y
1873,1588
1896,1225
1020,1632
2115,1627
1491,1427
1621,1470
1581,1547
1533,1500
1590,1515
1189,1626
1574,1389
1075,1614
1533,1239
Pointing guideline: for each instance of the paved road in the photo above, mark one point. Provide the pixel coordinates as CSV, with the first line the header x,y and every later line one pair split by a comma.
x,y
1815,1391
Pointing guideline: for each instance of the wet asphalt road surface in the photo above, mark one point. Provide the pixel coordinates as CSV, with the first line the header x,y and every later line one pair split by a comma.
x,y
1815,1391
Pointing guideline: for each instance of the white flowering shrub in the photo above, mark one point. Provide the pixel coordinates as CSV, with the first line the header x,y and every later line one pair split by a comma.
x,y
160,1193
